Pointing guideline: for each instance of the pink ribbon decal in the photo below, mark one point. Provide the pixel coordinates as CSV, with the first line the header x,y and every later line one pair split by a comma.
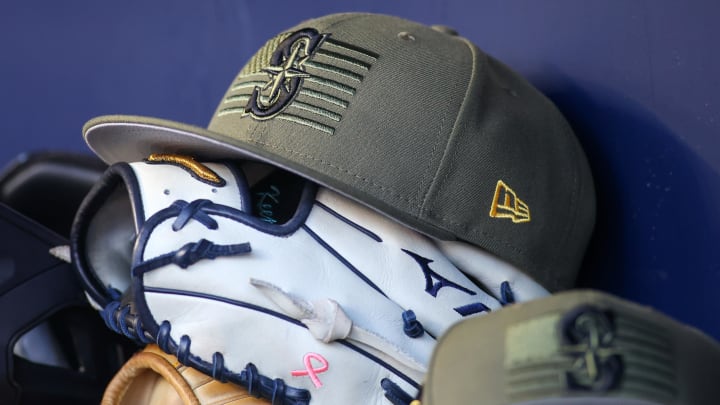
x,y
311,371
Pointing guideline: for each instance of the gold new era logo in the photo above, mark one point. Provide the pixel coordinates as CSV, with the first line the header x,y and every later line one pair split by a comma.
x,y
506,205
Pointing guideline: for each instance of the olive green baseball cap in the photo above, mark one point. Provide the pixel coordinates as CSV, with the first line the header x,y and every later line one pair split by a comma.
x,y
413,121
576,347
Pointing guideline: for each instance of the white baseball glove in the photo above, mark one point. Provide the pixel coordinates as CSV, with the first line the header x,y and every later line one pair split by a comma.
x,y
290,290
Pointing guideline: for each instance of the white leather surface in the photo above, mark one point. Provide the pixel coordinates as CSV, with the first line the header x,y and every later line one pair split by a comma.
x,y
299,267
161,184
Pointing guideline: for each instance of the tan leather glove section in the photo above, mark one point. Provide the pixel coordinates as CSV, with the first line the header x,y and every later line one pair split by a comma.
x,y
153,377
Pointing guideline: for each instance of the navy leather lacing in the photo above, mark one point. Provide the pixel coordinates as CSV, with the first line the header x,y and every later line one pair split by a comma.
x,y
119,319
506,294
411,326
190,254
395,394
257,384
193,210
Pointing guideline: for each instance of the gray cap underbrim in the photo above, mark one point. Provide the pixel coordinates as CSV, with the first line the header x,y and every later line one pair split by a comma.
x,y
128,138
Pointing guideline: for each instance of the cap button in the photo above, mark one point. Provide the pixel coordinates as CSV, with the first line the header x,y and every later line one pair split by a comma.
x,y
445,30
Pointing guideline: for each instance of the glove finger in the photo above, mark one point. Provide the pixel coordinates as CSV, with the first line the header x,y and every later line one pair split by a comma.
x,y
504,281
403,264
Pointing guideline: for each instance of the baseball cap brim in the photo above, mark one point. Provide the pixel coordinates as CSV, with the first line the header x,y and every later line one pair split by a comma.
x,y
128,138
534,360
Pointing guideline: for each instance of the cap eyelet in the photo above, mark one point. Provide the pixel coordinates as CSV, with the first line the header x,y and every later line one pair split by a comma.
x,y
406,36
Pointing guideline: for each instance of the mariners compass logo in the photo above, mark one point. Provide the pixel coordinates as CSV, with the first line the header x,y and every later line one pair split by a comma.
x,y
590,340
286,73
304,78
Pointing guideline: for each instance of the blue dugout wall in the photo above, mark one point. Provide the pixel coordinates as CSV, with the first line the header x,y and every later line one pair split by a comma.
x,y
638,80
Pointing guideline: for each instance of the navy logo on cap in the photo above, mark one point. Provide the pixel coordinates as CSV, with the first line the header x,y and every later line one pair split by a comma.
x,y
286,71
590,339
304,78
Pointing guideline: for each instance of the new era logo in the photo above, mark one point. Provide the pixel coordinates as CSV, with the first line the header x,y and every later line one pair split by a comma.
x,y
506,204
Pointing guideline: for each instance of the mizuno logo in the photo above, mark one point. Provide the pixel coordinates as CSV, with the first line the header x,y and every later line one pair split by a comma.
x,y
434,282
506,204
286,73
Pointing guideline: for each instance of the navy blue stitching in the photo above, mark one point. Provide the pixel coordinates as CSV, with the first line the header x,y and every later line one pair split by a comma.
x,y
339,216
343,260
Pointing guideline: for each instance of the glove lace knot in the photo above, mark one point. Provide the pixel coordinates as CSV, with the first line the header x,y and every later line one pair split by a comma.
x,y
411,326
191,253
